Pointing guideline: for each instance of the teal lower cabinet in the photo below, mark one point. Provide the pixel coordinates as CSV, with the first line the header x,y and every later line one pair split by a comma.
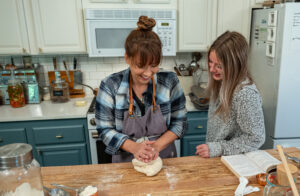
x,y
196,133
12,135
57,155
55,142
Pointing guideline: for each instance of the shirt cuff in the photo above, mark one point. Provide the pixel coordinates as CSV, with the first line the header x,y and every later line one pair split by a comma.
x,y
215,149
113,150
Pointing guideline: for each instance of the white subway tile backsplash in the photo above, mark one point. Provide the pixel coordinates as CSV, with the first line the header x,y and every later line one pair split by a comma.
x,y
97,75
89,67
111,60
105,67
119,67
96,69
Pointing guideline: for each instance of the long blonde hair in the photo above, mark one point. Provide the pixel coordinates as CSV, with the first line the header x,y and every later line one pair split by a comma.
x,y
231,49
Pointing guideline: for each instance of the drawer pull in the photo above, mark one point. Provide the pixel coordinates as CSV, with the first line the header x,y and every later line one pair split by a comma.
x,y
1,140
95,135
38,152
59,136
199,127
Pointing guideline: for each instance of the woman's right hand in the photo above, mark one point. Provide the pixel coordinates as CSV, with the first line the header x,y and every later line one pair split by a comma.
x,y
144,151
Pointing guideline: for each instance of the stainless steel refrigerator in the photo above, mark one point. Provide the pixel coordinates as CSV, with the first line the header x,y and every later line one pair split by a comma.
x,y
275,65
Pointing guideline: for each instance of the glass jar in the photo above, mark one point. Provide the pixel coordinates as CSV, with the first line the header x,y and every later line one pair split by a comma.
x,y
59,90
272,187
20,174
46,93
15,92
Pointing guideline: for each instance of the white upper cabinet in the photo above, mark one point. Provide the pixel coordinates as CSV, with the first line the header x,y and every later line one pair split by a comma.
x,y
197,24
41,27
13,33
234,15
59,26
143,4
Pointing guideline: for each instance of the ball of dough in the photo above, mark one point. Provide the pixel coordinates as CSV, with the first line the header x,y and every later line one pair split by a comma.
x,y
150,169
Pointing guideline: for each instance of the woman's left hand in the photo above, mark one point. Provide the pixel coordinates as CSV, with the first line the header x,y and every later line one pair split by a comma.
x,y
202,150
155,151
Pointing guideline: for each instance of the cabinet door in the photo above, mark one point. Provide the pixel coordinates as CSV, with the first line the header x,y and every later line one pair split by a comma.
x,y
189,144
59,26
13,34
197,24
12,135
234,15
58,155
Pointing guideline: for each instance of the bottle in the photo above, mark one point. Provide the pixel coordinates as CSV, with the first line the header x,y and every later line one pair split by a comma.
x,y
59,89
20,173
15,92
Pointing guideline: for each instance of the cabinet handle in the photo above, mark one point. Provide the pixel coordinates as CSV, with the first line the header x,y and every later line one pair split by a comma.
x,y
199,127
59,136
40,50
1,140
38,152
24,50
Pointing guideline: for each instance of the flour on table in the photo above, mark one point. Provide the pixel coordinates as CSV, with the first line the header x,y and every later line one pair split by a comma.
x,y
150,169
25,190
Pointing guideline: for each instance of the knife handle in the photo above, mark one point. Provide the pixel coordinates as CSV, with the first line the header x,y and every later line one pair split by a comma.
x,y
54,63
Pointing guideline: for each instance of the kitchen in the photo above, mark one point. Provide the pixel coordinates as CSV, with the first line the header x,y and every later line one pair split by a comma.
x,y
44,34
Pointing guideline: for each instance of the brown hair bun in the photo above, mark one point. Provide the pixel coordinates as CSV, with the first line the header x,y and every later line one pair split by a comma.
x,y
145,23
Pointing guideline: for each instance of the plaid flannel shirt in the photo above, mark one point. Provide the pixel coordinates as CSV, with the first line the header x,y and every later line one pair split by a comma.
x,y
113,101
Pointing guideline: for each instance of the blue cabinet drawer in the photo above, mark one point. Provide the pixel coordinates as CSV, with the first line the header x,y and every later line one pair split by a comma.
x,y
196,126
190,143
197,122
197,114
65,154
58,134
13,135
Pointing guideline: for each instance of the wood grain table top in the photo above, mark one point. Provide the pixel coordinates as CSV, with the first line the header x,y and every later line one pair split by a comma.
x,y
182,176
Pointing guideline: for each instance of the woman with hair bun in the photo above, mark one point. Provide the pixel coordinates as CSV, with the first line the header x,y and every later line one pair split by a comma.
x,y
235,117
141,111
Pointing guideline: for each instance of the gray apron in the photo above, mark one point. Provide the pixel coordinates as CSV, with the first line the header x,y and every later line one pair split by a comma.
x,y
148,127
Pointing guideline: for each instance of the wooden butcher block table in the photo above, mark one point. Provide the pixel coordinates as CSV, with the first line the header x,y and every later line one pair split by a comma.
x,y
179,176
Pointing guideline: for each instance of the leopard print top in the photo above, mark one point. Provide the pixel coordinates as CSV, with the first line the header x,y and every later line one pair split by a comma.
x,y
244,129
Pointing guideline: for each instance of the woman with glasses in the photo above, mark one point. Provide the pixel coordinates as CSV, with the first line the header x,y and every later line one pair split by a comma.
x,y
235,116
141,111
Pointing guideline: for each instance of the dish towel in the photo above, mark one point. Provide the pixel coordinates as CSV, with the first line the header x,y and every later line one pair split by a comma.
x,y
242,189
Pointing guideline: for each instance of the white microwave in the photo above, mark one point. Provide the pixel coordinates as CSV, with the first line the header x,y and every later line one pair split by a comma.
x,y
107,29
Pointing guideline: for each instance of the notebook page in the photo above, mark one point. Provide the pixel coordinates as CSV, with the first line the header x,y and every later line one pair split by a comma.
x,y
263,159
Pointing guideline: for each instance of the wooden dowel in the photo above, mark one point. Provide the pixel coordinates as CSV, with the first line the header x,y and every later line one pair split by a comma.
x,y
287,170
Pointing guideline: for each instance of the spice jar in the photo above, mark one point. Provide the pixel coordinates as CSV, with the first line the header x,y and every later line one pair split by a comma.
x,y
15,92
59,90
20,174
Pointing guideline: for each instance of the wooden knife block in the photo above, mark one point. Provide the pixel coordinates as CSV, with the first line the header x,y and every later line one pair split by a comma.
x,y
74,93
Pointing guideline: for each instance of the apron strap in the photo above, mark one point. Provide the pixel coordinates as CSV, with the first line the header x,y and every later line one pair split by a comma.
x,y
130,111
153,95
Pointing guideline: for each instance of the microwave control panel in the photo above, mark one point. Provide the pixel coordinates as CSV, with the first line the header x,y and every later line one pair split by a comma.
x,y
166,30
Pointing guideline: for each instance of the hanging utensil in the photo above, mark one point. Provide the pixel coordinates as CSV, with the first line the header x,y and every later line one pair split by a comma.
x,y
54,63
67,71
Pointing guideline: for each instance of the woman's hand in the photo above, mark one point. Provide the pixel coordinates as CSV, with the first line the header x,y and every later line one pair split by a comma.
x,y
144,151
202,150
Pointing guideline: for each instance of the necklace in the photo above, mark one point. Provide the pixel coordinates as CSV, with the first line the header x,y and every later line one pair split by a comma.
x,y
142,99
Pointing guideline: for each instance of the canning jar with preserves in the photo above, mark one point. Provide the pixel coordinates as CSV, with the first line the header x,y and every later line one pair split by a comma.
x,y
15,92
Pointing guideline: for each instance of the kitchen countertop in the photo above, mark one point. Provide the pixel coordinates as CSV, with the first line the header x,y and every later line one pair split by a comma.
x,y
190,175
46,110
190,107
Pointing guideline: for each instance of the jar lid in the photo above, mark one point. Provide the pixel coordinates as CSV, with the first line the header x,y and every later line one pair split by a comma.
x,y
15,155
